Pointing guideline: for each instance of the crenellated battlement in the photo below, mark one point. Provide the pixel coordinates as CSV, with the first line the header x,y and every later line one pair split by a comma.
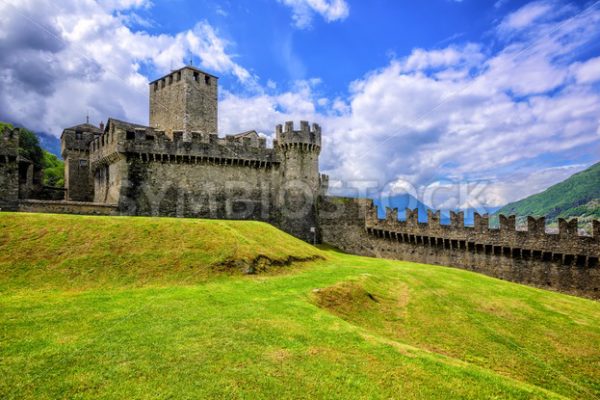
x,y
307,137
564,261
534,240
148,144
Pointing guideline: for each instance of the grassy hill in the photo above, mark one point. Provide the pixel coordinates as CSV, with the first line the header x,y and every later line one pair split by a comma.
x,y
161,308
578,196
69,251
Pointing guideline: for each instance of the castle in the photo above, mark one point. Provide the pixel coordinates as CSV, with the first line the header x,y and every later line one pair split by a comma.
x,y
179,166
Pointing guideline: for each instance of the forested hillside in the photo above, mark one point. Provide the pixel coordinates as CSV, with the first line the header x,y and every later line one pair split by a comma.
x,y
578,196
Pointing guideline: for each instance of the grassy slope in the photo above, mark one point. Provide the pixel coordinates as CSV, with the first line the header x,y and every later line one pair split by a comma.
x,y
573,197
372,329
68,251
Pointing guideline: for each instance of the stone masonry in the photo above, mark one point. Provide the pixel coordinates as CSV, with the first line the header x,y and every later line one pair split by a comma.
x,y
75,149
565,261
9,170
185,100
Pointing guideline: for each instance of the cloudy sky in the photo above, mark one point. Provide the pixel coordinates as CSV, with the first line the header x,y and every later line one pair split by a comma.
x,y
460,102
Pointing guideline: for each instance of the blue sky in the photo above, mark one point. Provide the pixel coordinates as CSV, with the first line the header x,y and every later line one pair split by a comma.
x,y
265,39
461,103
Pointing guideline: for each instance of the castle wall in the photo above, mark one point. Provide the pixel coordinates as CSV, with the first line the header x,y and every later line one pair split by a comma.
x,y
9,170
67,207
342,224
565,261
146,172
204,190
109,181
78,181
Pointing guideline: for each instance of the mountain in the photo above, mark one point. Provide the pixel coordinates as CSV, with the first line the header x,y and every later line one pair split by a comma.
x,y
578,196
49,143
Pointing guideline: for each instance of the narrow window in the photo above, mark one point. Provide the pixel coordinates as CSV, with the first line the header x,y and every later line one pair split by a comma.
x,y
178,76
155,86
78,135
162,83
207,80
196,76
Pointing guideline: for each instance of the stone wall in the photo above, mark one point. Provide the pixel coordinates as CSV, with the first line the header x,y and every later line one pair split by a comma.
x,y
9,170
199,189
75,146
565,261
342,224
67,207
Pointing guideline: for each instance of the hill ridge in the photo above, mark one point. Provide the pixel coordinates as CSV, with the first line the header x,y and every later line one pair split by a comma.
x,y
577,196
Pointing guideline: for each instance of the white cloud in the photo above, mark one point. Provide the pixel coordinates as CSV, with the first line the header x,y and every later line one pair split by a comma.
x,y
85,48
588,71
496,119
303,10
451,56
111,5
262,111
525,16
457,114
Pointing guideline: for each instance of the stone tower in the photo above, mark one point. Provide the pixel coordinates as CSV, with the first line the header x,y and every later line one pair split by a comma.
x,y
300,180
184,100
75,149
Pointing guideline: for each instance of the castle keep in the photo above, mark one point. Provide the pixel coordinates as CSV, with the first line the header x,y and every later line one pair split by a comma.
x,y
179,166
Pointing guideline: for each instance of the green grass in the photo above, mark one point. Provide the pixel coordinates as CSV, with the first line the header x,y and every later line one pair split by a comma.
x,y
76,252
187,323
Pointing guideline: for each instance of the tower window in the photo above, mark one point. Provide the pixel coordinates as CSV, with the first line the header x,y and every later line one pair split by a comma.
x,y
178,76
78,135
162,83
170,79
196,76
207,79
155,86
83,163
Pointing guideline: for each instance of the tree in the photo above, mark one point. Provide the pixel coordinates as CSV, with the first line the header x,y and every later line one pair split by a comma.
x,y
54,170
